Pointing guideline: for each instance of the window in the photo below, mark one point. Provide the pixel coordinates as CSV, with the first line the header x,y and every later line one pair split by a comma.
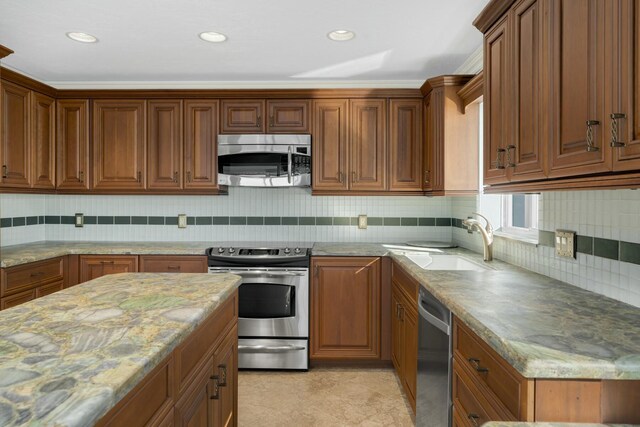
x,y
519,215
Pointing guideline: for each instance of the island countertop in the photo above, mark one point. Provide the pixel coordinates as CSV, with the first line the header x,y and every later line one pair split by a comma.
x,y
66,359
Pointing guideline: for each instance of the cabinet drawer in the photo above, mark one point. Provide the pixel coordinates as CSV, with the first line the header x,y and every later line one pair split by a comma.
x,y
489,368
17,299
470,402
173,264
406,283
49,289
28,276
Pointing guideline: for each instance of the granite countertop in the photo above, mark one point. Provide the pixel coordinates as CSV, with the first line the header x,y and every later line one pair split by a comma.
x,y
66,359
30,252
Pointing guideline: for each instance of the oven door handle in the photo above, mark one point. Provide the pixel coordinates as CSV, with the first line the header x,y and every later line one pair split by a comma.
x,y
269,348
269,274
289,165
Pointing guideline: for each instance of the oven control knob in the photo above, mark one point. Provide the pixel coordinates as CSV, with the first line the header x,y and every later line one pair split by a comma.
x,y
231,250
298,250
287,250
220,250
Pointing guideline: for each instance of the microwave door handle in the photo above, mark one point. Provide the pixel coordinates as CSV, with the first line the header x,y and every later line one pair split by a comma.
x,y
289,164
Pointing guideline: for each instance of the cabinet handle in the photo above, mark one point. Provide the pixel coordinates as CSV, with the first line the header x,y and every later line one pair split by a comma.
x,y
476,364
499,152
173,267
5,171
188,176
216,388
353,177
340,177
426,177
81,176
510,163
614,129
222,373
474,419
39,273
401,313
258,121
107,262
271,121
317,271
175,176
139,176
590,125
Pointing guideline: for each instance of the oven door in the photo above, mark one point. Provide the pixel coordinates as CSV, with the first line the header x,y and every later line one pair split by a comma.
x,y
272,302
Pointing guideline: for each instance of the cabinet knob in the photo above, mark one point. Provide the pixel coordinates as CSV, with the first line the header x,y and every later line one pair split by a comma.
x,y
590,145
615,143
476,364
222,374
81,176
5,171
474,419
215,395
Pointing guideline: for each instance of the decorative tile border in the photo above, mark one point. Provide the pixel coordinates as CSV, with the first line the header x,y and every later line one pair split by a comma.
x,y
616,250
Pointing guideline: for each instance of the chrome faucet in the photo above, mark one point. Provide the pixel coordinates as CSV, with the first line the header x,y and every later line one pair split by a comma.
x,y
486,233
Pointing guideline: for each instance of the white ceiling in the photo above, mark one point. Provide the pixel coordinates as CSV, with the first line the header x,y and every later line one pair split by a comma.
x,y
154,43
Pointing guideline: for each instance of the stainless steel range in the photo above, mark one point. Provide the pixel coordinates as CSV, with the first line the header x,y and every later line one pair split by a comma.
x,y
273,306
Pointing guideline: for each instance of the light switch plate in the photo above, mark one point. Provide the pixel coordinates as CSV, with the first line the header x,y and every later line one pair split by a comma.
x,y
79,220
362,222
182,221
566,243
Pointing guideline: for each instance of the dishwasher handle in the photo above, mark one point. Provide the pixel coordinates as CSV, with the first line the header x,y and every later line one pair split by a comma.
x,y
433,320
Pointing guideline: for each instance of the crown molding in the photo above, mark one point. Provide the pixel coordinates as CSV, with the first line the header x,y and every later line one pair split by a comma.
x,y
491,13
474,63
4,51
472,90
440,81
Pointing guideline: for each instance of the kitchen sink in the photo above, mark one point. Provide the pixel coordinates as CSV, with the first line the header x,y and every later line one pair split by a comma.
x,y
444,262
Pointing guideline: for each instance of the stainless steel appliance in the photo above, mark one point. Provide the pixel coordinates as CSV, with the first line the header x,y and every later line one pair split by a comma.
x,y
433,395
273,303
264,160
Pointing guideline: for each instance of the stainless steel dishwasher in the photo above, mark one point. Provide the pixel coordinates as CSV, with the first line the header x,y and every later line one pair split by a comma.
x,y
433,400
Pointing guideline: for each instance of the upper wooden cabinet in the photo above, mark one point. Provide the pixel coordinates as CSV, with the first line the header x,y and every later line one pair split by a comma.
x,y
405,145
119,140
242,116
451,144
43,141
367,141
72,126
288,116
561,94
200,144
330,145
15,145
345,308
164,158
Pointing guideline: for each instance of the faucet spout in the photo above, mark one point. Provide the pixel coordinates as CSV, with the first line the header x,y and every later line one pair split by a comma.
x,y
486,232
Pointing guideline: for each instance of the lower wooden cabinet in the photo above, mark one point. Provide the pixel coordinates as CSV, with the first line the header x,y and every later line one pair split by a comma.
x,y
17,299
26,282
173,264
345,308
404,331
94,266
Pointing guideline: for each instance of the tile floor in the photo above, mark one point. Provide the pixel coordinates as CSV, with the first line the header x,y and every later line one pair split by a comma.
x,y
322,397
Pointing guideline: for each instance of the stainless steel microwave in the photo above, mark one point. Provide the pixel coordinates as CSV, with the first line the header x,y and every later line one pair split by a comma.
x,y
264,160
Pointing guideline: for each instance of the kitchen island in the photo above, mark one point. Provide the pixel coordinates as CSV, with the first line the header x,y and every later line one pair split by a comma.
x,y
84,355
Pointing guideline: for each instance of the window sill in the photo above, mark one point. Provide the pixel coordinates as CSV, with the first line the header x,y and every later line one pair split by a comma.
x,y
517,238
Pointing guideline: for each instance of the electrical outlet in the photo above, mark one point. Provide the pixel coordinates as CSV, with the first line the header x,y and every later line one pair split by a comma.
x,y
79,220
182,221
362,222
566,243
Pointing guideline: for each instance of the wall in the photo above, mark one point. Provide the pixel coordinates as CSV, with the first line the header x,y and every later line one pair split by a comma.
x,y
21,218
245,215
608,227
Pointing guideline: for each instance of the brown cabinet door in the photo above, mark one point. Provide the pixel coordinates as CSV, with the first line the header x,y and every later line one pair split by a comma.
x,y
225,362
94,266
626,75
119,139
427,150
577,80
43,141
49,289
242,116
497,106
173,264
405,145
164,163
330,145
17,299
410,353
525,155
72,126
367,143
288,116
345,308
15,157
200,144
195,408
397,335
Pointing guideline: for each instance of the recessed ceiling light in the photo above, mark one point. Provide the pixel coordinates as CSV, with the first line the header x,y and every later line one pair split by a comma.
x,y
82,37
341,35
213,37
